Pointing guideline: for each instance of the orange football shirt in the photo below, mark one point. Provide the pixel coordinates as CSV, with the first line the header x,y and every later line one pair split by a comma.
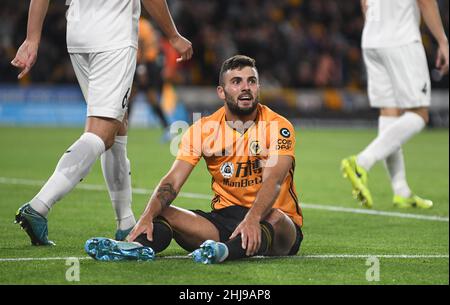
x,y
235,161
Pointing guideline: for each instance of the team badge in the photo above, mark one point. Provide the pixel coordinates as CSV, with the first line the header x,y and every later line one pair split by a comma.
x,y
285,132
227,170
255,148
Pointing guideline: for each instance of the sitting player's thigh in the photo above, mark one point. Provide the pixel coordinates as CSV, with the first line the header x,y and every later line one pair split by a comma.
x,y
285,233
190,229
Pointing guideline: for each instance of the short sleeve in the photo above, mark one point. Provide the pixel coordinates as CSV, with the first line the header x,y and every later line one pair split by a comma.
x,y
189,149
282,139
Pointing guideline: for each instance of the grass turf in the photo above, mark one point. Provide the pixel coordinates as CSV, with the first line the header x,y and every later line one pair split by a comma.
x,y
32,153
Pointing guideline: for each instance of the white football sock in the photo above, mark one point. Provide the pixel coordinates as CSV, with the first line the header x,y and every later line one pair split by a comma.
x,y
391,139
73,166
395,163
116,171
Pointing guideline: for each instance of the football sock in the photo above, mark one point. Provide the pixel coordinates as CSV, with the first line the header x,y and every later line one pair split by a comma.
x,y
162,235
395,163
235,250
73,166
391,139
117,174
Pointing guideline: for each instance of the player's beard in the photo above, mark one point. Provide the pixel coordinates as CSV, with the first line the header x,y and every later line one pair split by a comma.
x,y
239,111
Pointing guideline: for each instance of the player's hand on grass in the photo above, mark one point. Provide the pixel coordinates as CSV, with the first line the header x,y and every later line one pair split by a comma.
x,y
25,57
144,225
442,58
183,47
250,231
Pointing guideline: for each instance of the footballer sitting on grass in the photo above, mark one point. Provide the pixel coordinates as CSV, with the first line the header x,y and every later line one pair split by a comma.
x,y
249,152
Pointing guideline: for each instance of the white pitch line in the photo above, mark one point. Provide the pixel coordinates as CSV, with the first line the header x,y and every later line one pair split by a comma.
x,y
373,212
331,208
319,256
25,259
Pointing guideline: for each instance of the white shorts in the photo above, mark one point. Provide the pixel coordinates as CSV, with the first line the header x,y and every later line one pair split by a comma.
x,y
398,77
105,79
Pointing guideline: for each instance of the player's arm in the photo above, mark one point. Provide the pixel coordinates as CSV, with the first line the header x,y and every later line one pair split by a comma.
x,y
27,54
432,18
273,178
164,194
159,10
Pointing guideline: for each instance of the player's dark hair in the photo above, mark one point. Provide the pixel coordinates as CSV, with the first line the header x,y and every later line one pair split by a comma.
x,y
235,62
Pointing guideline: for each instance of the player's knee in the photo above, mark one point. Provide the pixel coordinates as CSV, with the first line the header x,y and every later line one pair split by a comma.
x,y
425,116
391,112
123,130
162,235
284,232
274,217
422,112
109,142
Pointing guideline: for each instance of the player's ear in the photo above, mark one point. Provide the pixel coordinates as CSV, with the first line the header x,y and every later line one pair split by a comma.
x,y
221,92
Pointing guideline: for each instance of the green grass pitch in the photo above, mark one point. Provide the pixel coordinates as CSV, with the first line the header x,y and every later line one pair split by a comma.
x,y
337,239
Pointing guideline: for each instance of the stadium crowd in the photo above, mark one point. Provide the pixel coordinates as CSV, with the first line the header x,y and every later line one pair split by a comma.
x,y
296,43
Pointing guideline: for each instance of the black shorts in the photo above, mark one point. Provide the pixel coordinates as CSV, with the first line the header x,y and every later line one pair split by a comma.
x,y
227,219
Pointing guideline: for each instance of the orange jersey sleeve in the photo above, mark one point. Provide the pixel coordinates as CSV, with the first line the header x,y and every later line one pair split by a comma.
x,y
282,140
189,149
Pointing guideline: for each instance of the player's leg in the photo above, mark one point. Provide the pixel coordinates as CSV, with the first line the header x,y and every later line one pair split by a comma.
x,y
279,236
117,173
106,109
154,94
408,71
153,98
154,89
411,84
71,168
381,95
403,196
189,230
286,235
394,163
391,139
119,68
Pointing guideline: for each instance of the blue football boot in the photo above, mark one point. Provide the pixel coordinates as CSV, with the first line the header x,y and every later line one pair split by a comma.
x,y
34,224
122,234
210,252
106,249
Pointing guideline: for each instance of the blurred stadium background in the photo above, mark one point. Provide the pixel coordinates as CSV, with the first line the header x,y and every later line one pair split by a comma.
x,y
308,54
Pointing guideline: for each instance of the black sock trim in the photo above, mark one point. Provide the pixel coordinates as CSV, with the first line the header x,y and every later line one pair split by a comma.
x,y
164,221
267,230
